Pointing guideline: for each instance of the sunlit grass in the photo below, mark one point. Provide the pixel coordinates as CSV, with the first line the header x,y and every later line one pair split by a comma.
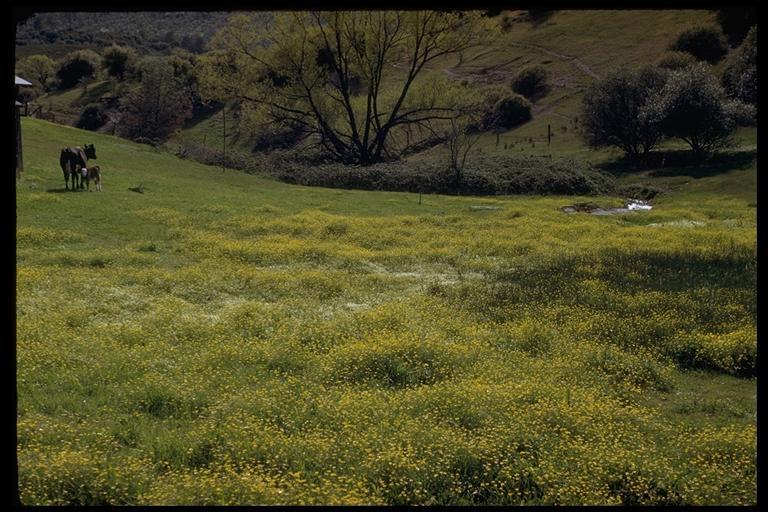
x,y
225,339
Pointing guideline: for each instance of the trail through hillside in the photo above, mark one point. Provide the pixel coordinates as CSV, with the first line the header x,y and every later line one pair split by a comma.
x,y
497,71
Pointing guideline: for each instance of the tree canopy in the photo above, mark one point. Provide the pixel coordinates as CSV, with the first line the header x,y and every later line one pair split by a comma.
x,y
347,79
612,108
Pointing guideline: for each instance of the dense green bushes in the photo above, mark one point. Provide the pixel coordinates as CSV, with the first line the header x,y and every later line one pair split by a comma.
x,y
482,176
612,110
740,74
76,66
92,117
503,109
706,43
635,109
693,106
531,81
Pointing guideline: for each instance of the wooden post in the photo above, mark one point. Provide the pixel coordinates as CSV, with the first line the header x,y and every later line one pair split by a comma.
x,y
549,134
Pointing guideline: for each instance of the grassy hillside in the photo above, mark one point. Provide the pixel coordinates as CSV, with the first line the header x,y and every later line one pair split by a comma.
x,y
226,339
575,46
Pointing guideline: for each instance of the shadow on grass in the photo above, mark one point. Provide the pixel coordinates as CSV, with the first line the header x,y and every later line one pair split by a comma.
x,y
61,190
559,278
681,163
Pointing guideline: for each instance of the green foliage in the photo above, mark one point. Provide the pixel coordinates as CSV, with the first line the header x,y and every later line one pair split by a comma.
x,y
612,107
693,106
39,69
740,73
352,81
119,61
706,43
92,117
510,111
76,66
481,176
530,81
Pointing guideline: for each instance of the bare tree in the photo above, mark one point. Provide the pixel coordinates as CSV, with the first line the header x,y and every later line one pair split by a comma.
x,y
461,136
347,78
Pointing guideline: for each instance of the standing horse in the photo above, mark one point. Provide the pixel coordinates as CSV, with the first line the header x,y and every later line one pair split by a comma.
x,y
72,160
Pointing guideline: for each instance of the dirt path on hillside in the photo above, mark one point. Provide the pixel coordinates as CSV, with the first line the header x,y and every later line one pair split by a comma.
x,y
496,72
578,63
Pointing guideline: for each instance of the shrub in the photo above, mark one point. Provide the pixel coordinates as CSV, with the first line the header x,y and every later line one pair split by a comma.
x,y
510,111
487,175
76,66
502,108
674,60
92,117
706,43
693,106
531,81
611,111
740,74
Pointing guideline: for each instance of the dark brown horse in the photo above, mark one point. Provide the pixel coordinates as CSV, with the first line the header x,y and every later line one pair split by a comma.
x,y
72,161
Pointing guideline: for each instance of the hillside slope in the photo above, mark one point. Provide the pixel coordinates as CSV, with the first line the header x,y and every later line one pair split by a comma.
x,y
575,46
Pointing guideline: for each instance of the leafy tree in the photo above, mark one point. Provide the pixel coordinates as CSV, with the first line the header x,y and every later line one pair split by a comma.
x,y
119,61
39,69
740,74
693,106
531,81
184,69
611,110
158,105
706,43
75,66
348,79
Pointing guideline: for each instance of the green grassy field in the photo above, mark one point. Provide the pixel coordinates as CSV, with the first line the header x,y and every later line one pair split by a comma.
x,y
227,339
